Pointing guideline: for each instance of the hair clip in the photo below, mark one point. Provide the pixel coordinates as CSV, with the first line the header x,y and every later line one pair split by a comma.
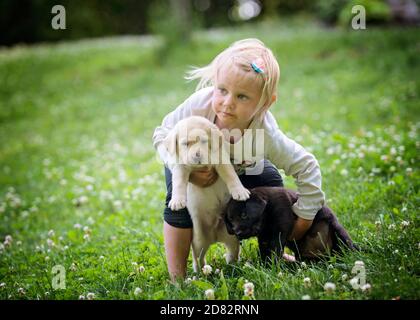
x,y
257,65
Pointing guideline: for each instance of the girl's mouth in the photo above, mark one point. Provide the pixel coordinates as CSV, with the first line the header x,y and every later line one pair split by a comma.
x,y
227,114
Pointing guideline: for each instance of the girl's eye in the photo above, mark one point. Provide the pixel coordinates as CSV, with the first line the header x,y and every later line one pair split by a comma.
x,y
222,90
242,97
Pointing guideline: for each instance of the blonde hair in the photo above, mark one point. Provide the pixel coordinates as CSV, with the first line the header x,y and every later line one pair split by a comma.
x,y
241,54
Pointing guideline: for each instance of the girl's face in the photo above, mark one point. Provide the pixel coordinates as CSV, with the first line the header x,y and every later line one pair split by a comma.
x,y
235,98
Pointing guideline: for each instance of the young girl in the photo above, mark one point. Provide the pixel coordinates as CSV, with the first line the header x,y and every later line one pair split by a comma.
x,y
235,92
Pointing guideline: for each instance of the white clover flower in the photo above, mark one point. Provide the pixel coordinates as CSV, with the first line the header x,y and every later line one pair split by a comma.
x,y
378,223
86,230
51,233
249,289
141,269
188,280
86,237
306,297
8,240
50,243
280,274
307,282
384,158
329,287
366,288
344,172
101,257
209,293
344,277
207,269
82,297
396,251
138,291
2,285
118,204
303,264
90,296
391,226
217,271
21,291
47,258
409,170
393,151
359,263
77,226
405,224
73,267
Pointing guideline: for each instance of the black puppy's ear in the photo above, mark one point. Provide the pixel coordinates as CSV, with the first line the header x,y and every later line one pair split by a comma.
x,y
257,203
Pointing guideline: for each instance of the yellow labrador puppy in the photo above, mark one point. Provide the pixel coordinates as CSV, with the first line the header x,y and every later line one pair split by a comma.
x,y
195,143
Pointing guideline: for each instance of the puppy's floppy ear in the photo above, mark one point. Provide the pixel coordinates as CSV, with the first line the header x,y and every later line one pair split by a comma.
x,y
171,141
256,203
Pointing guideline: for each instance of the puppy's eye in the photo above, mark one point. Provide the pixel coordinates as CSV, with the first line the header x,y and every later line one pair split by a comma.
x,y
243,215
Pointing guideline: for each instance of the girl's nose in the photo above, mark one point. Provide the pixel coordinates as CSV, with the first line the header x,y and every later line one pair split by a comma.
x,y
228,102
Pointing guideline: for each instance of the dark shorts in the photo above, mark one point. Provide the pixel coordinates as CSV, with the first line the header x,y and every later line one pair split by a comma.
x,y
181,219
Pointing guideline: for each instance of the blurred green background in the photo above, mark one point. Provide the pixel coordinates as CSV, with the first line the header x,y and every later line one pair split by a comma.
x,y
29,21
80,184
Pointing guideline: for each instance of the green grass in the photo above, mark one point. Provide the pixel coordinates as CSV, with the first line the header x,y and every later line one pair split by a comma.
x,y
76,121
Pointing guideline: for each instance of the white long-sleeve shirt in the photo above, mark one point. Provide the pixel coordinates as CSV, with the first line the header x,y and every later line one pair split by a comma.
x,y
283,152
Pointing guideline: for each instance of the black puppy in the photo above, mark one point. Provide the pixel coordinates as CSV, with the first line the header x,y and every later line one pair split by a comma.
x,y
268,215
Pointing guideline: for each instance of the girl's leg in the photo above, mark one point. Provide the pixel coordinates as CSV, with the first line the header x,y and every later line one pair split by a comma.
x,y
177,249
177,233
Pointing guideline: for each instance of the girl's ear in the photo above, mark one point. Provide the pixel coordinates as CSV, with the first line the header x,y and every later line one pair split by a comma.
x,y
171,141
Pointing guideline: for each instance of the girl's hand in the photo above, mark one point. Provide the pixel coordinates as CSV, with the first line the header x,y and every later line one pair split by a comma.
x,y
203,177
299,229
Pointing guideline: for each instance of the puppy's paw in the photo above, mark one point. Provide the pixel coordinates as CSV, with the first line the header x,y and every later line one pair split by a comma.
x,y
177,203
240,193
231,258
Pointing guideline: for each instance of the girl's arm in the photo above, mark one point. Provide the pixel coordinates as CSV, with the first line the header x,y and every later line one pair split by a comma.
x,y
296,161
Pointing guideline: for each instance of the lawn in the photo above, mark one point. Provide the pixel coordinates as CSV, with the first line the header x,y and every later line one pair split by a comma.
x,y
81,186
